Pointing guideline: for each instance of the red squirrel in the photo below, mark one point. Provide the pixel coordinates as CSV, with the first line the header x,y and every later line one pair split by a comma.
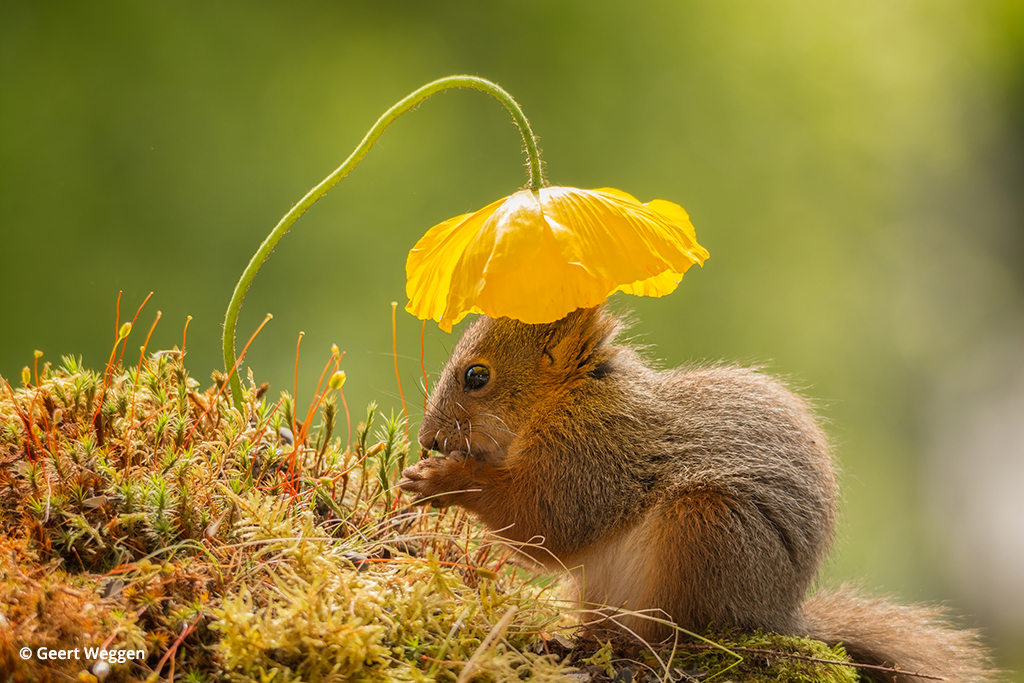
x,y
704,496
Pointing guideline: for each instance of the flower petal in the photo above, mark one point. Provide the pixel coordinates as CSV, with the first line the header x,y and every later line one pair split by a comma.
x,y
516,269
623,241
432,261
659,285
536,256
618,193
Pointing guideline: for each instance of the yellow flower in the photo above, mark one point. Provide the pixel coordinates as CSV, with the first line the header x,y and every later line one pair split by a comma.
x,y
538,256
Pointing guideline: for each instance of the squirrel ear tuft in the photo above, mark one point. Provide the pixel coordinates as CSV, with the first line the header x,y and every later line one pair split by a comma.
x,y
579,342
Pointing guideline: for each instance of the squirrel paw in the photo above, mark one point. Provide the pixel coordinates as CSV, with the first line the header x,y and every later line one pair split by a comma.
x,y
428,479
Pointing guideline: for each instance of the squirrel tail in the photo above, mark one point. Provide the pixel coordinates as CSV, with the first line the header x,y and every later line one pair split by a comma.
x,y
910,638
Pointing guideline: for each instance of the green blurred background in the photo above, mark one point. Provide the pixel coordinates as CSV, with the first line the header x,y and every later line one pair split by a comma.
x,y
855,170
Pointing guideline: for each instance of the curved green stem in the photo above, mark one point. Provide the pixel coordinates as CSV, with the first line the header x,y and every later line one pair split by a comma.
x,y
410,101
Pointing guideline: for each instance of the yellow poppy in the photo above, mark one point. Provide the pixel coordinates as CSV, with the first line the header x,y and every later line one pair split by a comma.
x,y
537,256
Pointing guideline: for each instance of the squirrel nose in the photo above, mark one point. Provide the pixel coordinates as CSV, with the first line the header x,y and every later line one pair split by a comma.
x,y
428,441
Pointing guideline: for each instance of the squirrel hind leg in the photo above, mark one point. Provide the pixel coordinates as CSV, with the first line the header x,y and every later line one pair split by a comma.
x,y
700,558
724,564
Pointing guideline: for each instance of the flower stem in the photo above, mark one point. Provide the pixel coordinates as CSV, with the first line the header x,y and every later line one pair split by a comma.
x,y
404,105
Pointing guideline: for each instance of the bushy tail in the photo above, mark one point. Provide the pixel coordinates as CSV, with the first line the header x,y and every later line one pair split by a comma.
x,y
910,638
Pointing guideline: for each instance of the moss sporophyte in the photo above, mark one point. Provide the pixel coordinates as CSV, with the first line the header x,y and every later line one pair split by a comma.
x,y
536,255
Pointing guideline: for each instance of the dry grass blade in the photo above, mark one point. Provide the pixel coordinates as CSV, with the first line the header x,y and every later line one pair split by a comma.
x,y
497,632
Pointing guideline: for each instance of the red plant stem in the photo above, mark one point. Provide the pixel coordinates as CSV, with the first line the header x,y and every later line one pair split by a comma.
x,y
234,367
394,354
318,398
259,437
296,436
348,419
32,411
295,386
135,387
173,649
314,406
51,439
423,367
117,319
110,361
225,384
108,641
356,464
141,306
117,339
184,335
26,421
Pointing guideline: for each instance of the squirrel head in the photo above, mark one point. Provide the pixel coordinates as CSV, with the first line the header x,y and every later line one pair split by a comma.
x,y
504,375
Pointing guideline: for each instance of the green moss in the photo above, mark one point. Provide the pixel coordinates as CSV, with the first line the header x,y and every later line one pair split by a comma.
x,y
764,668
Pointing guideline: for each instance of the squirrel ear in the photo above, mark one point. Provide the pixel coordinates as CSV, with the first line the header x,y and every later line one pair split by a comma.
x,y
577,343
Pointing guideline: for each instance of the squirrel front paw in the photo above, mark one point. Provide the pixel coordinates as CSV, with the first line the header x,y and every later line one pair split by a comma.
x,y
434,481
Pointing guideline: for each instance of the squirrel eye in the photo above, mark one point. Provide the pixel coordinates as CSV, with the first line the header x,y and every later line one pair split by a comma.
x,y
476,377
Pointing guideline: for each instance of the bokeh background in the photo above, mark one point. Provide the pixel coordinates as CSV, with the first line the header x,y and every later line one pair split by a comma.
x,y
855,170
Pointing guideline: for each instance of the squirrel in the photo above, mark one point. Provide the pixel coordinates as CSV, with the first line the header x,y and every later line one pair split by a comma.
x,y
704,495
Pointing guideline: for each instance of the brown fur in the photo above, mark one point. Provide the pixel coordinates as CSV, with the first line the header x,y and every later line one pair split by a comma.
x,y
705,496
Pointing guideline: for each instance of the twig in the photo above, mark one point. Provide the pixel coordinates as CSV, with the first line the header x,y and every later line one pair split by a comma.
x,y
447,641
186,629
497,632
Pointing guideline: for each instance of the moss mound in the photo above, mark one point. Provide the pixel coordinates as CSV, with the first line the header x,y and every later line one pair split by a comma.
x,y
140,512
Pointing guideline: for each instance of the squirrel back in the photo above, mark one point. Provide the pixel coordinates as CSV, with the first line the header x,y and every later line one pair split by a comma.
x,y
699,495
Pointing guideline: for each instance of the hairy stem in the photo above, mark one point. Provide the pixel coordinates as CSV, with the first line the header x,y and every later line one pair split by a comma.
x,y
404,105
